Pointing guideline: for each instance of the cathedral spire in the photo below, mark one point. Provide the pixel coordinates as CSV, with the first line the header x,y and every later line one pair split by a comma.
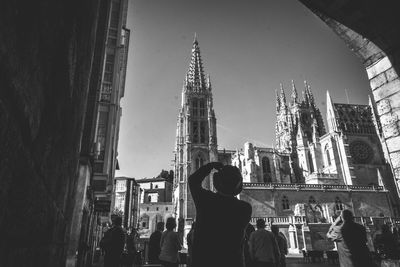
x,y
195,73
294,94
282,98
306,97
278,102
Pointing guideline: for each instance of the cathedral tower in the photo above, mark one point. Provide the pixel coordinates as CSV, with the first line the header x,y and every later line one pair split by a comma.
x,y
196,136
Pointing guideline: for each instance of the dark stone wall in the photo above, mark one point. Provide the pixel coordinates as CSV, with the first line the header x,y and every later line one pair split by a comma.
x,y
46,50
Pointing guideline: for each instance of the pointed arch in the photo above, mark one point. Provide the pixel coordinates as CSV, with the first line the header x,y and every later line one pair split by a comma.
x,y
285,203
199,161
338,204
328,156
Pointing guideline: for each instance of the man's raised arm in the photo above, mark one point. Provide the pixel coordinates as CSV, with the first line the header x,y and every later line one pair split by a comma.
x,y
198,176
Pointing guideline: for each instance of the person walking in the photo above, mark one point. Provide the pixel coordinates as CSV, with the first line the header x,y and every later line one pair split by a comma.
x,y
351,240
154,244
221,218
386,244
113,243
263,247
170,245
282,245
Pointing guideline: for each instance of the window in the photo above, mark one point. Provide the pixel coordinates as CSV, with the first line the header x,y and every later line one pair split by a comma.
x,y
195,131
147,208
266,167
157,209
338,204
328,157
202,108
311,200
202,132
285,203
195,108
310,163
156,186
166,208
199,161
149,198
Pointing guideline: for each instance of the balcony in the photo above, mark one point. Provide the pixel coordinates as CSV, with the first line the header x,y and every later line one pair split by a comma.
x,y
314,187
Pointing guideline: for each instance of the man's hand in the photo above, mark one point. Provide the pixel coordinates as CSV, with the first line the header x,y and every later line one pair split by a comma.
x,y
216,165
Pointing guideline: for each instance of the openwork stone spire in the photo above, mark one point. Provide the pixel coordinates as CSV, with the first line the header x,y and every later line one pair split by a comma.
x,y
195,73
294,94
282,98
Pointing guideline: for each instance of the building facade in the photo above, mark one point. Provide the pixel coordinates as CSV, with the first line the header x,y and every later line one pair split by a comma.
x,y
98,150
155,204
308,177
196,136
126,199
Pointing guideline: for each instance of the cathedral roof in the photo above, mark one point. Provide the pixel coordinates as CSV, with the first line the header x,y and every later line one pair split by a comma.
x,y
353,118
195,74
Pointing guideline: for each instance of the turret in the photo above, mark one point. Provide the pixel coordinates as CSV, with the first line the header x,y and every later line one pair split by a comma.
x,y
294,95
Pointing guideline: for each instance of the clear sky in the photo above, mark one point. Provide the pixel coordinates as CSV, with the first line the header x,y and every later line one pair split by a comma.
x,y
248,48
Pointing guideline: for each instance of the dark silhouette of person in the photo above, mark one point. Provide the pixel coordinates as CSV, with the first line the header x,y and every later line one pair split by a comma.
x,y
351,240
154,243
170,245
248,262
189,241
386,244
263,247
113,243
221,218
282,244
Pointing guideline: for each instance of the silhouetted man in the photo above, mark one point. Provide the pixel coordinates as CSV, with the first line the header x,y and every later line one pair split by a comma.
x,y
351,240
220,217
113,243
264,250
154,243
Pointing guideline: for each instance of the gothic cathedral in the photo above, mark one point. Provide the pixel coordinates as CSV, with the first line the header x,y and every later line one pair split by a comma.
x,y
311,173
196,137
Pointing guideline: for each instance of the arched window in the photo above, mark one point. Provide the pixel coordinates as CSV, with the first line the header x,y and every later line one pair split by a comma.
x,y
328,157
199,161
310,163
311,200
285,203
338,204
266,167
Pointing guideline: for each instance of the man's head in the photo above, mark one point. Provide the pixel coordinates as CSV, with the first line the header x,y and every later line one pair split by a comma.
x,y
228,180
171,223
117,221
160,226
347,216
260,224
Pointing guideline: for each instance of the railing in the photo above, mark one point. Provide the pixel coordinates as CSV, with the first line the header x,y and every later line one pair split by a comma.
x,y
368,221
323,187
280,220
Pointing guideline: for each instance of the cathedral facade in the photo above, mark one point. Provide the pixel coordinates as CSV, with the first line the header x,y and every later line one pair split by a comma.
x,y
309,176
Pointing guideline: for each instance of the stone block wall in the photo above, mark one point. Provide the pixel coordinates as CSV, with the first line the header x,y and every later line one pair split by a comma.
x,y
46,50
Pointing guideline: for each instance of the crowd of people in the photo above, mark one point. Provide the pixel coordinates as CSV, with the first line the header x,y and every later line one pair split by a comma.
x,y
223,236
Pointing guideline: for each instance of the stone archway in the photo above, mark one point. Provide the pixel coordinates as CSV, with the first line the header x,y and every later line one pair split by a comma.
x,y
370,30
